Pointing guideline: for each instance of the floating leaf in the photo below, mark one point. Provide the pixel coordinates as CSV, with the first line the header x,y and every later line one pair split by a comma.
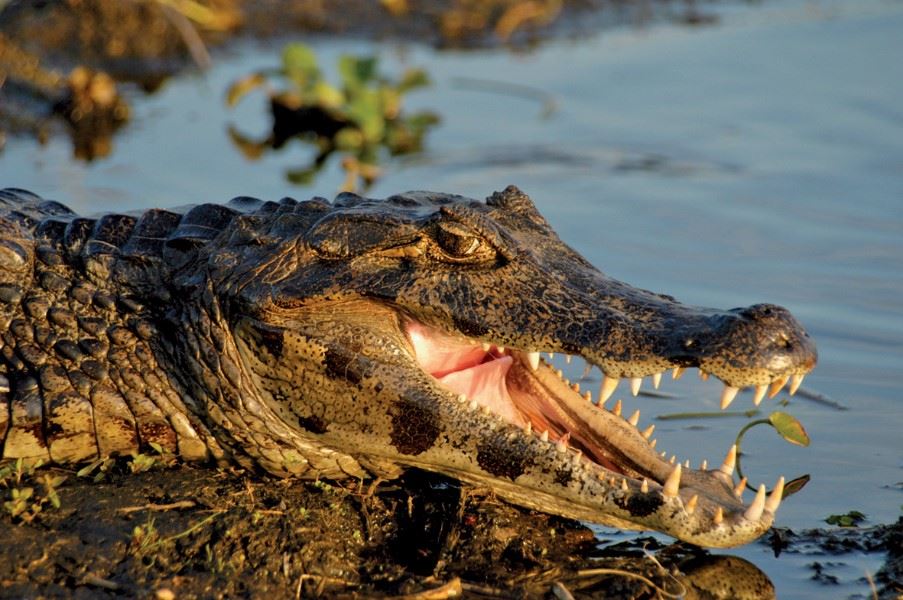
x,y
850,519
789,428
413,78
300,63
795,485
240,88
357,71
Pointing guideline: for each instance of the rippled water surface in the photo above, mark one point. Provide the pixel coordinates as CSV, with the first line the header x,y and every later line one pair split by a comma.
x,y
758,159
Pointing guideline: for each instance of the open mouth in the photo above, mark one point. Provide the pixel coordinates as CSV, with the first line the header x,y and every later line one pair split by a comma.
x,y
526,391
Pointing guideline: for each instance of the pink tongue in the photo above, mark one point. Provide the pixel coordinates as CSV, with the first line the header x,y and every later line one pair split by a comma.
x,y
485,383
441,354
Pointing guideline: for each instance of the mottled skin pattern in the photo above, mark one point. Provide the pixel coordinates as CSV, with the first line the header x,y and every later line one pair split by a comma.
x,y
277,335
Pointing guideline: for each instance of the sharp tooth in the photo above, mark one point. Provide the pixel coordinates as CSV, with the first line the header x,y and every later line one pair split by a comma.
x,y
635,383
738,491
672,484
588,396
677,373
703,375
795,382
564,439
653,443
551,355
559,373
533,359
474,405
501,349
486,346
704,465
528,428
644,487
727,467
544,436
624,484
774,500
567,358
587,370
561,446
760,394
462,398
576,387
634,418
690,507
616,411
648,431
656,380
673,459
776,386
687,464
754,512
719,516
728,395
607,388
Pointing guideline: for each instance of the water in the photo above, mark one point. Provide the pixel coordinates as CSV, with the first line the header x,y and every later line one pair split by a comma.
x,y
760,159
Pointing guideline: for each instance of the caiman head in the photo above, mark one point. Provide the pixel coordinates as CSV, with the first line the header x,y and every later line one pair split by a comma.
x,y
407,332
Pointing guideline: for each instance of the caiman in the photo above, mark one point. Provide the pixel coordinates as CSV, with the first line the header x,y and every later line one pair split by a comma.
x,y
361,337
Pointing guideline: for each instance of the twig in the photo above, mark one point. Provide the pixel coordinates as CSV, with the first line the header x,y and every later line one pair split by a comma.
x,y
158,507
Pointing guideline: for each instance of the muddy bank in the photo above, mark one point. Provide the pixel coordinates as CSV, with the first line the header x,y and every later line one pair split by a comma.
x,y
200,533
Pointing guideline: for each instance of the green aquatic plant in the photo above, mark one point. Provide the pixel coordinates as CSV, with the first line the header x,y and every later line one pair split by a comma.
x,y
362,117
25,502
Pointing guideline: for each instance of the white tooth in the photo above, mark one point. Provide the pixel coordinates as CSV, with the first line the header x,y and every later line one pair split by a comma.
x,y
462,398
624,484
728,395
588,396
672,484
653,443
616,411
673,459
664,454
635,383
774,500
738,491
551,355
634,418
607,388
719,516
644,487
776,386
648,431
474,405
485,409
544,436
754,512
795,382
567,358
501,349
561,446
677,373
487,346
533,359
528,428
656,380
586,371
687,464
704,465
760,394
576,387
727,467
703,375
559,373
691,504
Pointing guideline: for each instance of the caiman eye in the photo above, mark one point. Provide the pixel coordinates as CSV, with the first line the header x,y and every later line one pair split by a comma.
x,y
458,243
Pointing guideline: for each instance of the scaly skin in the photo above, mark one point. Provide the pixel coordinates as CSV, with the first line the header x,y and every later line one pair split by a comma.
x,y
363,337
